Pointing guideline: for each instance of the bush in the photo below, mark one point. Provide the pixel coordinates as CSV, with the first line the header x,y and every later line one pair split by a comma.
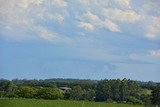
x,y
146,98
2,93
13,95
134,100
49,93
25,92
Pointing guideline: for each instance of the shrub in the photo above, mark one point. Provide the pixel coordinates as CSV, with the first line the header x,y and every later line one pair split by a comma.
x,y
25,92
134,100
49,93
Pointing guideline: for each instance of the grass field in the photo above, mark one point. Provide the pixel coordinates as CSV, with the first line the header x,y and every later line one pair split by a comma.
x,y
57,103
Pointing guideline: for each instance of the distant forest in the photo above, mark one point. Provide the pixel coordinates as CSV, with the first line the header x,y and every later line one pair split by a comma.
x,y
113,90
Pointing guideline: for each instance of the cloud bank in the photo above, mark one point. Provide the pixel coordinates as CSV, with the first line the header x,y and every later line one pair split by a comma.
x,y
24,17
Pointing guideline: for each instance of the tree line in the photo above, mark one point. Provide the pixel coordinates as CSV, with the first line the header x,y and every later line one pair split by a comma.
x,y
113,90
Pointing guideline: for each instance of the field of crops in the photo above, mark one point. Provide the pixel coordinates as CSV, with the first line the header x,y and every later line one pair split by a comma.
x,y
57,103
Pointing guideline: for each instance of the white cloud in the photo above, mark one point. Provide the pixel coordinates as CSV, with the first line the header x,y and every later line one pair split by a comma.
x,y
112,15
121,15
111,26
86,26
123,3
124,14
57,17
47,35
51,36
155,53
26,3
84,3
150,7
103,3
20,17
151,19
92,20
90,17
153,28
59,3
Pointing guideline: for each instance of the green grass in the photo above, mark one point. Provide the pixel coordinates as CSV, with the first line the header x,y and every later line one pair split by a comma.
x,y
57,103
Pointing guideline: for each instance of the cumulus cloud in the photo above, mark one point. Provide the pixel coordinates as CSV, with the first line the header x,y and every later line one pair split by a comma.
x,y
51,36
108,13
121,15
123,3
26,16
86,26
110,25
153,28
124,14
57,17
90,17
47,35
104,3
113,15
151,19
59,3
91,21
155,53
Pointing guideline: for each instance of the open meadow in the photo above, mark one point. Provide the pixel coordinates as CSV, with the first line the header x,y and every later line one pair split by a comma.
x,y
58,103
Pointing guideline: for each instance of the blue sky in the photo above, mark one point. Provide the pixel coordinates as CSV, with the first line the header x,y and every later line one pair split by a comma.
x,y
89,39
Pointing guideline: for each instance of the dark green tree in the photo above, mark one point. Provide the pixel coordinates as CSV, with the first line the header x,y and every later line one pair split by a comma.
x,y
124,92
156,96
115,89
89,94
7,88
103,91
76,93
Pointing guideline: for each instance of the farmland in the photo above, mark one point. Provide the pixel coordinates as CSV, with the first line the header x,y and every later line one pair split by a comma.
x,y
58,103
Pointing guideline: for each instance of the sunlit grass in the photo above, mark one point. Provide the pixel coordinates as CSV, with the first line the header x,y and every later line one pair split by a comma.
x,y
58,103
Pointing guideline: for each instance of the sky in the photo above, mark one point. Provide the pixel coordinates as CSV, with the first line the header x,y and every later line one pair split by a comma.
x,y
84,39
